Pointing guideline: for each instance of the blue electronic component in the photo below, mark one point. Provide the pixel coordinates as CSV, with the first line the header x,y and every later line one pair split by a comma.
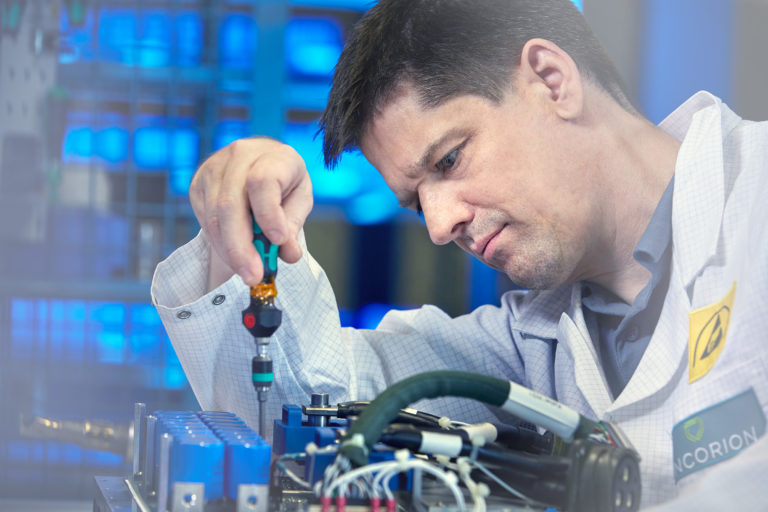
x,y
247,462
291,434
316,464
215,448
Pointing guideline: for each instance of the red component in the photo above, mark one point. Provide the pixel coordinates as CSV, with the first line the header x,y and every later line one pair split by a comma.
x,y
391,505
249,320
341,503
375,504
325,501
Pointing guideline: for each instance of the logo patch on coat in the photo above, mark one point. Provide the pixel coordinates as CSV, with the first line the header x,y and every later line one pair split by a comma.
x,y
707,334
717,433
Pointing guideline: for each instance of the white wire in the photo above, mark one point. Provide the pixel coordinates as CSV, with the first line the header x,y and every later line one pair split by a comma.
x,y
477,499
355,473
502,483
420,464
288,472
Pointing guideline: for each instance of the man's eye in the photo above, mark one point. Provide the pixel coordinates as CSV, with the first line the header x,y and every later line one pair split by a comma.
x,y
448,161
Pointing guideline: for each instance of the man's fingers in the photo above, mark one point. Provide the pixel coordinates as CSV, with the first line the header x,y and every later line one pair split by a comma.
x,y
265,196
236,240
256,177
296,206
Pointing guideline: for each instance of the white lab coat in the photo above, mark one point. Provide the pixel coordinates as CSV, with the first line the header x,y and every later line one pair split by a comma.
x,y
720,235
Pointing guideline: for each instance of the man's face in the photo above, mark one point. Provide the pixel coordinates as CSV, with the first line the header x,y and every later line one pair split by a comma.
x,y
497,179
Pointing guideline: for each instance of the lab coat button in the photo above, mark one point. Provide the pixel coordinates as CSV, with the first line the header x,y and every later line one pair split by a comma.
x,y
218,300
183,314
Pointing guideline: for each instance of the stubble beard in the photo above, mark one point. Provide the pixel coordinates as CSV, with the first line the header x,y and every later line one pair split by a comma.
x,y
537,262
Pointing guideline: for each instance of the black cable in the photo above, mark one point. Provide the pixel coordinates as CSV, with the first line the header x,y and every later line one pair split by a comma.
x,y
399,437
387,405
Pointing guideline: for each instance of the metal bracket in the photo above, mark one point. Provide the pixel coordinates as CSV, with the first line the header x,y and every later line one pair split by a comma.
x,y
188,497
252,498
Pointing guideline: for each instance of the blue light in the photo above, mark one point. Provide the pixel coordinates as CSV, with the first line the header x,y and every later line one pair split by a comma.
x,y
189,39
22,311
370,315
25,451
96,458
179,179
120,40
144,346
185,153
108,313
347,318
110,346
112,144
312,45
150,147
579,4
144,315
174,378
185,147
154,47
237,42
342,183
117,34
372,208
78,144
227,132
77,42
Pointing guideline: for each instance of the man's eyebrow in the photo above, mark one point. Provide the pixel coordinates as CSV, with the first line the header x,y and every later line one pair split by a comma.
x,y
429,154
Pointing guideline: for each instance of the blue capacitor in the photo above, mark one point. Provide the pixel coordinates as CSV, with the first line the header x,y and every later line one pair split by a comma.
x,y
227,425
218,429
199,459
246,463
216,414
236,438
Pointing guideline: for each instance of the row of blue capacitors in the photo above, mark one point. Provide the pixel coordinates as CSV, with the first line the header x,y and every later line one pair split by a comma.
x,y
215,448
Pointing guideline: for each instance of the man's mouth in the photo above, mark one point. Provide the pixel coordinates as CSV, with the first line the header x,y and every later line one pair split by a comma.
x,y
487,246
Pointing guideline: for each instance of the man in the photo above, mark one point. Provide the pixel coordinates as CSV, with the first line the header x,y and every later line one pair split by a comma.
x,y
505,125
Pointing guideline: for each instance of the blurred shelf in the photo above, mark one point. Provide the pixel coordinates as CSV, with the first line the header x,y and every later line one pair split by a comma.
x,y
130,291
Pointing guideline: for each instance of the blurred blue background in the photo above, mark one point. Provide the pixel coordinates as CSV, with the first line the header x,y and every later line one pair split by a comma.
x,y
105,117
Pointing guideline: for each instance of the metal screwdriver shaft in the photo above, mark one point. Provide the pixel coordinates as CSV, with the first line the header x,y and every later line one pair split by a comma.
x,y
262,319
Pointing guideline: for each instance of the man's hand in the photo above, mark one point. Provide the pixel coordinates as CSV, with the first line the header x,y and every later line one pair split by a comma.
x,y
258,175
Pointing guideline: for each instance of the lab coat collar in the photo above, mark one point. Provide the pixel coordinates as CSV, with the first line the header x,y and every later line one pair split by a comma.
x,y
697,210
573,336
537,312
557,314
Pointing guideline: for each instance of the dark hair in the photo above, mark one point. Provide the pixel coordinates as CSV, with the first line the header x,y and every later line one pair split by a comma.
x,y
447,48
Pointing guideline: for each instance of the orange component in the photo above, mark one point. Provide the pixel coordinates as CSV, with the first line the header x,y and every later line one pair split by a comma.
x,y
265,292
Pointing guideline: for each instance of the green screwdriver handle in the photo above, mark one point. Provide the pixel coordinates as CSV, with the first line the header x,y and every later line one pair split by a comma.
x,y
268,252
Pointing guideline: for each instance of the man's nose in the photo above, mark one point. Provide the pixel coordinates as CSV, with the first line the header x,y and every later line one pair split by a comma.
x,y
443,213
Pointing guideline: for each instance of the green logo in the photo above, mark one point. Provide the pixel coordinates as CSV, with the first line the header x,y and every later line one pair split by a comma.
x,y
693,429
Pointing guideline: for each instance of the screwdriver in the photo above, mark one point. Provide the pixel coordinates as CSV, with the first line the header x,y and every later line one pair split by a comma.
x,y
262,319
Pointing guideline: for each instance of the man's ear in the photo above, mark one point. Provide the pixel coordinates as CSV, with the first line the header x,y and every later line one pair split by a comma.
x,y
549,71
